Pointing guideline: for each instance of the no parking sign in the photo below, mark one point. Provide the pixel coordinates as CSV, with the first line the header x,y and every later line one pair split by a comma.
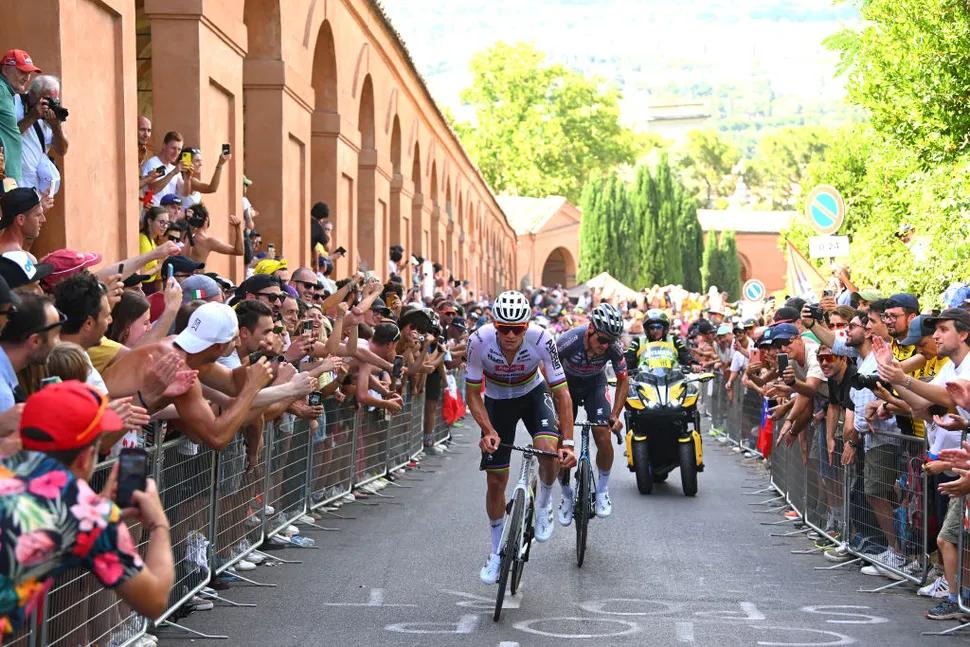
x,y
753,290
825,209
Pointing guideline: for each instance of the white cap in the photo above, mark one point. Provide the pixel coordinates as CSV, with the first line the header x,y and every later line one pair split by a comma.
x,y
210,324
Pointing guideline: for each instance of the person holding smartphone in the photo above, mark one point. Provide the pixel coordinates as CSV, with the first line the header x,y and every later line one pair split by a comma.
x,y
61,429
190,186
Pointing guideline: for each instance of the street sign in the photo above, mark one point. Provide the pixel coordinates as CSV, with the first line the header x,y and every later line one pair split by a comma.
x,y
825,209
828,246
753,290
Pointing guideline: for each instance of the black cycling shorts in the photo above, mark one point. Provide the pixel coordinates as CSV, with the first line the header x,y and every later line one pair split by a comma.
x,y
535,409
432,386
591,393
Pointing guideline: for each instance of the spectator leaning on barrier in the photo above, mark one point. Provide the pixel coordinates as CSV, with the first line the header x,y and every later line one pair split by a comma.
x,y
803,377
22,274
71,525
15,70
43,134
22,219
27,339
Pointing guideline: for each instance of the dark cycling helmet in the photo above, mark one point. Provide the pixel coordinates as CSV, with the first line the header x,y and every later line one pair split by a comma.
x,y
607,320
511,307
655,317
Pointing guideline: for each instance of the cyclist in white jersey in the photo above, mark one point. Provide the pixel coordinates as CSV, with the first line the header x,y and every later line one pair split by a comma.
x,y
505,358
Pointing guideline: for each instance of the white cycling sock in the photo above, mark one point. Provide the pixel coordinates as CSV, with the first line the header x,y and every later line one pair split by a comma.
x,y
496,529
567,491
545,495
602,484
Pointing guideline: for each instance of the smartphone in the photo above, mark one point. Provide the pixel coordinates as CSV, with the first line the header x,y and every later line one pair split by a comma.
x,y
315,399
398,367
187,159
171,271
307,327
132,474
160,171
340,250
755,355
53,379
827,293
226,149
782,362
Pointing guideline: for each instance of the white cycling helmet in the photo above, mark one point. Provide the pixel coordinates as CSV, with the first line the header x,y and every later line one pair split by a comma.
x,y
607,320
511,307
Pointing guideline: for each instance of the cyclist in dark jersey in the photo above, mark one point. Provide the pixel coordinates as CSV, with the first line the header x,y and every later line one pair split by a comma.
x,y
584,353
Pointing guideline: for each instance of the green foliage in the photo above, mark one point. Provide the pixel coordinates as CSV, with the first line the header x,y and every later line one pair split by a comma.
x,y
692,244
593,249
778,171
712,262
705,162
729,277
541,128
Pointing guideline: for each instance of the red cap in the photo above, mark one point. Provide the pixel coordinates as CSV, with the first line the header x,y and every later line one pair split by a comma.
x,y
67,262
21,59
65,416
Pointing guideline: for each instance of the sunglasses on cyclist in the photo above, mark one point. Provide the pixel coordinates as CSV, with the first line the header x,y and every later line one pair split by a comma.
x,y
514,329
603,340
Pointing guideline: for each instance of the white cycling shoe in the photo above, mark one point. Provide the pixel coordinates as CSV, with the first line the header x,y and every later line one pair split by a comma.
x,y
544,523
489,572
565,510
604,506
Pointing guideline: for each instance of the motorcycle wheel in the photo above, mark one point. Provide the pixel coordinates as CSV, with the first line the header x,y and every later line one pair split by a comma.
x,y
688,468
642,467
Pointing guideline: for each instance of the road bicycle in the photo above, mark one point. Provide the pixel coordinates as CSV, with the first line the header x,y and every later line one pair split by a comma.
x,y
585,506
519,525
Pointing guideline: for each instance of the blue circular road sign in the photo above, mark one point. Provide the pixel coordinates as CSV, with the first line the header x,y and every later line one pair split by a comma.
x,y
825,209
753,290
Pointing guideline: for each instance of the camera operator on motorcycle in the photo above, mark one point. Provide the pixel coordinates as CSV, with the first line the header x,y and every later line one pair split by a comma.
x,y
656,327
506,356
585,353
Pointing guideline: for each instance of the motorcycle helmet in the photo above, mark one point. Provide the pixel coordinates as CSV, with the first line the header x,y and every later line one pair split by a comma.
x,y
511,307
607,320
655,319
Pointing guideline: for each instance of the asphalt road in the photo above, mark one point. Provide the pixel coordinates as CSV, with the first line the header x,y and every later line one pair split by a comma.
x,y
663,570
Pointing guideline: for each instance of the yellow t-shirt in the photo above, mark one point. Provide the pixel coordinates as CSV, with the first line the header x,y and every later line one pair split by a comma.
x,y
924,373
145,245
104,353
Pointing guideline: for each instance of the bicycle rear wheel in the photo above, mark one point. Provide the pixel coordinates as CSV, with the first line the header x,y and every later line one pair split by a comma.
x,y
581,511
528,533
510,551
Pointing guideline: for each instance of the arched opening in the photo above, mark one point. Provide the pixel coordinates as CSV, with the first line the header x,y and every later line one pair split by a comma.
x,y
368,229
745,264
325,130
426,242
417,202
444,229
559,269
397,228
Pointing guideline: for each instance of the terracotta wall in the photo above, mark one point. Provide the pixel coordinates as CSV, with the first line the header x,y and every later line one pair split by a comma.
x,y
317,99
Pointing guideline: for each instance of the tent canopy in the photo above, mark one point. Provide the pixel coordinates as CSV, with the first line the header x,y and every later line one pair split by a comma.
x,y
609,287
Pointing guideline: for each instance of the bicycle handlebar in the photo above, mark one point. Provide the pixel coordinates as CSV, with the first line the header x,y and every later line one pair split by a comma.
x,y
531,450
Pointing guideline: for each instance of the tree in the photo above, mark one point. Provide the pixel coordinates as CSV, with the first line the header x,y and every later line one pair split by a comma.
x,y
705,161
593,247
730,265
541,128
778,172
712,261
692,244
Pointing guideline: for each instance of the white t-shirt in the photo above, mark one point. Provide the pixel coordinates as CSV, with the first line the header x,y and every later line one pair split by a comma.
x,y
36,168
940,439
811,367
148,168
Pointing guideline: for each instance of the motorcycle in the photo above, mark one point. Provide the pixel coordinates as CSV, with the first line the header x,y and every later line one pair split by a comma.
x,y
662,421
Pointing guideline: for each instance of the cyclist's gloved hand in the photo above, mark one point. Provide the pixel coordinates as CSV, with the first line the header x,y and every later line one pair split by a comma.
x,y
490,442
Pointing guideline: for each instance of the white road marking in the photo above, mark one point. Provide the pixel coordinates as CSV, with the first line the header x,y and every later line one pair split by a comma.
x,y
685,632
506,643
599,606
465,625
828,610
376,600
625,627
841,639
473,601
749,613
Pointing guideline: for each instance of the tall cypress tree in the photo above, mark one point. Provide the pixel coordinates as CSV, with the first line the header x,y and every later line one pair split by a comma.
x,y
646,218
622,253
669,230
692,244
730,266
712,262
592,232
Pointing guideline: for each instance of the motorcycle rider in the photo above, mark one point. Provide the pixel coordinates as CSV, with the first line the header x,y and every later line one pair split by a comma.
x,y
656,327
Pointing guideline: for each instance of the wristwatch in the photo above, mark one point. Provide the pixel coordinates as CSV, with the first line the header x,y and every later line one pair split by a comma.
x,y
568,443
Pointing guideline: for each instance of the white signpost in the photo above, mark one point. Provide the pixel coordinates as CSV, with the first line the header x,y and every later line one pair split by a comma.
x,y
828,246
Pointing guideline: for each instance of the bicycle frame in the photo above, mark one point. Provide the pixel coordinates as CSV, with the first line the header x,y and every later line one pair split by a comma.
x,y
528,475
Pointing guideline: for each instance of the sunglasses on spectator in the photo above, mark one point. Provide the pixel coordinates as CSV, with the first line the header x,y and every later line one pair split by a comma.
x,y
826,358
838,326
514,329
271,296
306,284
62,319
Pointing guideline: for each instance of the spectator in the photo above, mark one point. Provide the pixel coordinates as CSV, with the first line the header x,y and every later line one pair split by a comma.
x,y
144,136
182,267
162,170
153,232
200,287
190,186
263,288
61,428
277,268
22,274
22,219
201,244
66,262
27,339
305,282
372,393
319,239
43,133
173,204
84,302
9,301
15,70
129,319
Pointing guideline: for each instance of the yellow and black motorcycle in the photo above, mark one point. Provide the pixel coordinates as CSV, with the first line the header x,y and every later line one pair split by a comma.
x,y
662,421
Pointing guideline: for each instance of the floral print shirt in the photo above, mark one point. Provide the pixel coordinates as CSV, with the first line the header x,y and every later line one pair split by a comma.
x,y
50,522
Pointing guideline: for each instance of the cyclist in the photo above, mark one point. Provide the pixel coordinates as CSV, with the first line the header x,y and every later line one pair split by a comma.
x,y
656,328
584,353
506,356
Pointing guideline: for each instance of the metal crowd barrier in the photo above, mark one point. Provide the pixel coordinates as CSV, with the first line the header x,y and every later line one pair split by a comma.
x,y
963,563
216,503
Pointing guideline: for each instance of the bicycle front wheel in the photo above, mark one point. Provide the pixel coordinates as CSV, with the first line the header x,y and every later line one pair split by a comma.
x,y
582,508
510,551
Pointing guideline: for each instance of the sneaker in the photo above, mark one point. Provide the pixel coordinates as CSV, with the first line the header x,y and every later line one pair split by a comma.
x,y
245,565
566,510
290,531
938,588
604,506
813,535
945,610
306,519
197,603
544,523
791,514
302,542
839,554
489,572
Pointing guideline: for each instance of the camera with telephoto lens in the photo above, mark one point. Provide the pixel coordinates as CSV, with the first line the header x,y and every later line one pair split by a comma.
x,y
869,382
59,111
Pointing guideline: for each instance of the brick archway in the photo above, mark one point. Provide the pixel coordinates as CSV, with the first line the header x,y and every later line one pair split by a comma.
x,y
559,268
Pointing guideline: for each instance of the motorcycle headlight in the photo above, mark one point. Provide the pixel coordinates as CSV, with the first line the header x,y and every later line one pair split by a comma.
x,y
653,404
